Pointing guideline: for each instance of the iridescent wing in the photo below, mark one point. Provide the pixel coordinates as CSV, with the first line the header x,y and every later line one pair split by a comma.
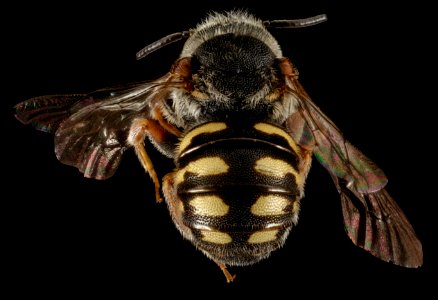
x,y
46,113
372,219
91,129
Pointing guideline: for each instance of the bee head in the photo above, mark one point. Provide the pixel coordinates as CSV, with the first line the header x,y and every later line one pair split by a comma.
x,y
235,34
231,54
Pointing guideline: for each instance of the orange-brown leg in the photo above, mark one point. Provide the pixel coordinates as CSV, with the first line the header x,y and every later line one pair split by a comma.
x,y
139,129
227,274
158,115
175,205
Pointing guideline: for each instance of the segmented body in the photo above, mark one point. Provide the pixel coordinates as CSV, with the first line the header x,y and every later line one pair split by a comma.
x,y
237,189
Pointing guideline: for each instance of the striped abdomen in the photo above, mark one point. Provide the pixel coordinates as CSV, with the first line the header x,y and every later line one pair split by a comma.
x,y
235,193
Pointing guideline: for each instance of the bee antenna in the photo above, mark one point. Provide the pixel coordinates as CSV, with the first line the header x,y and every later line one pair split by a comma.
x,y
171,38
297,23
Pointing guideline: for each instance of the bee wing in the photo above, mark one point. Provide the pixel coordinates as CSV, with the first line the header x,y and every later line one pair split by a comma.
x,y
91,130
47,112
372,218
313,128
376,223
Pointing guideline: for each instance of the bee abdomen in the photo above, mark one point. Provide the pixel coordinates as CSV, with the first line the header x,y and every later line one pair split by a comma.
x,y
239,191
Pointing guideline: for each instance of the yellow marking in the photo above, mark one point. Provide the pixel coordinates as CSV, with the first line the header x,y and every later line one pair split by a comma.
x,y
209,205
216,237
271,97
207,128
180,206
203,167
278,168
271,129
296,207
199,95
263,236
270,205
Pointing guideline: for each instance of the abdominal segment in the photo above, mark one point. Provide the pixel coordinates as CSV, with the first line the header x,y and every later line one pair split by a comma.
x,y
235,196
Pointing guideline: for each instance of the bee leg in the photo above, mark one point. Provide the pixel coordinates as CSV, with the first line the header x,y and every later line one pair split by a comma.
x,y
227,274
139,129
158,115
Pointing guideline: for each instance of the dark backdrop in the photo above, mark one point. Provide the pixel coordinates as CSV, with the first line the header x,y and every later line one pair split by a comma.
x,y
365,68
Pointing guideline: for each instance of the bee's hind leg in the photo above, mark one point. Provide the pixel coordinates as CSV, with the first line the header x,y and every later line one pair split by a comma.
x,y
227,274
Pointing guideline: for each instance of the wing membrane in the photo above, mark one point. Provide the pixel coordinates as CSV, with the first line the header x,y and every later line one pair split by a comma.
x,y
332,150
46,113
372,218
91,130
377,224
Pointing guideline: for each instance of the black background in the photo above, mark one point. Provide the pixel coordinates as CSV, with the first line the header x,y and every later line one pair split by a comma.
x,y
366,68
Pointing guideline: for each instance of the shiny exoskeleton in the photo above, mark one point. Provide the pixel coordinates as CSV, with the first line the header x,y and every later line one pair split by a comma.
x,y
236,190
241,130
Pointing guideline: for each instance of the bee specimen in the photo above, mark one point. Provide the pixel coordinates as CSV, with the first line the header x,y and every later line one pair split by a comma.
x,y
242,132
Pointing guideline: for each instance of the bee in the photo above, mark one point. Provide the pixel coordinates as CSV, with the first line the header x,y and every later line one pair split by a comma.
x,y
242,133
